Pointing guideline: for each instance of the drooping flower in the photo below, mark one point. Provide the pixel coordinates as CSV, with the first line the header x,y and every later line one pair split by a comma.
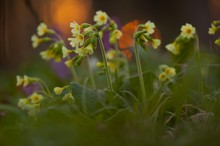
x,y
77,40
84,51
35,41
111,54
213,29
68,96
58,90
20,80
42,29
173,48
101,18
75,28
149,27
66,52
156,43
69,63
116,35
24,103
188,31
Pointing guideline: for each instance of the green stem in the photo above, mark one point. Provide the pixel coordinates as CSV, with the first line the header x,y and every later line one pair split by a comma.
x,y
140,73
106,64
197,51
90,73
45,87
72,68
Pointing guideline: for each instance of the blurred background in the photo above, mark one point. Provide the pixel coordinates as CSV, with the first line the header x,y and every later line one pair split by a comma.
x,y
19,19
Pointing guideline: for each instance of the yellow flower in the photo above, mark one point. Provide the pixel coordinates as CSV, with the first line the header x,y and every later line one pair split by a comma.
x,y
162,76
20,80
35,41
188,30
112,66
163,67
68,96
111,54
42,29
35,98
156,43
58,90
116,34
213,29
100,64
27,80
173,48
24,103
101,18
46,55
75,28
77,40
66,52
87,29
84,51
69,63
149,27
170,72
217,41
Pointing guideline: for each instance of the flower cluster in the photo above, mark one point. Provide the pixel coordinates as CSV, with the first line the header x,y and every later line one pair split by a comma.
x,y
144,35
215,27
31,103
54,51
25,80
67,97
187,34
166,72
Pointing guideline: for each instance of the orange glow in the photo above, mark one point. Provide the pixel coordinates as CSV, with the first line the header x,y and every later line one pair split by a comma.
x,y
65,11
215,8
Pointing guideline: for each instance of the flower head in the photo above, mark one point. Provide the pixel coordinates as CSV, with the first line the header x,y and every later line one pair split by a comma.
x,y
111,54
101,18
42,29
69,63
84,51
156,43
77,40
75,28
116,35
58,90
149,27
68,96
166,72
20,80
24,103
35,41
170,72
66,52
213,29
27,80
35,98
188,31
162,76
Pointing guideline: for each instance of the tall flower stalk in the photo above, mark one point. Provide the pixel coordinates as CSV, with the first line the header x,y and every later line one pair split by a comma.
x,y
140,72
142,37
106,64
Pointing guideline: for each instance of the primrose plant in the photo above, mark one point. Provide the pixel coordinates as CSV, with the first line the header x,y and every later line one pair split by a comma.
x,y
120,93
